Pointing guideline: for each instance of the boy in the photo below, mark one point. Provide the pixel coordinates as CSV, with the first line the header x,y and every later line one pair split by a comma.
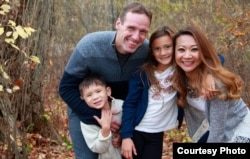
x,y
97,95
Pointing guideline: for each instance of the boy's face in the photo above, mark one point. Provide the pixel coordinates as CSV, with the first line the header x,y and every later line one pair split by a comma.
x,y
96,96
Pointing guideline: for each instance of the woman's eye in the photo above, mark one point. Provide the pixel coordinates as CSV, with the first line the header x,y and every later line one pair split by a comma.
x,y
181,50
194,49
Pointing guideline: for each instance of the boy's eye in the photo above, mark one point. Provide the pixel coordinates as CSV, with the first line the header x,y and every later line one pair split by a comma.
x,y
88,95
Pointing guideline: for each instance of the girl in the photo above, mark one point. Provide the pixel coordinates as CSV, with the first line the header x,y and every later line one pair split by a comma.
x,y
150,107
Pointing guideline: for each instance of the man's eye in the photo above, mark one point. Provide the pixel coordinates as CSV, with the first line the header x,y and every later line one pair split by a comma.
x,y
130,28
143,33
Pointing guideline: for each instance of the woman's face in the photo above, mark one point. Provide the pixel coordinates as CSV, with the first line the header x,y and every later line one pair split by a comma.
x,y
162,49
187,53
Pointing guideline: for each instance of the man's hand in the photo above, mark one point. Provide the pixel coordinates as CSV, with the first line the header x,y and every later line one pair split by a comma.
x,y
208,87
128,148
115,124
116,140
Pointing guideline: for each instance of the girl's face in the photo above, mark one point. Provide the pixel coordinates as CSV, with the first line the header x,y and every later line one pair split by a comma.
x,y
96,96
187,53
162,48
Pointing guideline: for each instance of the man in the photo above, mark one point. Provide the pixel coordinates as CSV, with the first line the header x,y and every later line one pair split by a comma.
x,y
114,55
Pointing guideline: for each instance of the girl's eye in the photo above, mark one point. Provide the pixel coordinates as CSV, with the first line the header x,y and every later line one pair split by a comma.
x,y
156,49
166,47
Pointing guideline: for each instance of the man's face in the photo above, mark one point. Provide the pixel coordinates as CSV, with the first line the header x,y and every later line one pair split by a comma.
x,y
132,32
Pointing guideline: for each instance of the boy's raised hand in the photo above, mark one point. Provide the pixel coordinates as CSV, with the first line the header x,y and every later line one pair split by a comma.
x,y
105,122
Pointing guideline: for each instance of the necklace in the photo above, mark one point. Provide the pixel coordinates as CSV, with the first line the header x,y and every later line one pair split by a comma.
x,y
191,92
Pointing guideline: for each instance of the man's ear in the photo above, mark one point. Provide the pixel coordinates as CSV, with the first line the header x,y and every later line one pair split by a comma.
x,y
108,89
118,23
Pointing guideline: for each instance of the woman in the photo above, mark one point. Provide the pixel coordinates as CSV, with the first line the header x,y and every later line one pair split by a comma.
x,y
226,113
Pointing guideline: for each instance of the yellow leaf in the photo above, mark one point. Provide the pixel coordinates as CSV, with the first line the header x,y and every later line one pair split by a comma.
x,y
5,75
1,30
29,30
1,88
9,40
14,46
2,12
12,23
9,90
15,35
21,32
9,33
5,7
35,59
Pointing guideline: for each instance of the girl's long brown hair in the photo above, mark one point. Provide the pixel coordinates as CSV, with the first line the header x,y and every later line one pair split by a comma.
x,y
210,64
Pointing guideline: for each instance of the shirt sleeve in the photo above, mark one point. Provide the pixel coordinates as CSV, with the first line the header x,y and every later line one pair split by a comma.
x,y
130,105
75,71
94,139
217,120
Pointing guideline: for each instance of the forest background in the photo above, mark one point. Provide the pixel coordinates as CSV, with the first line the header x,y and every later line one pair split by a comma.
x,y
37,38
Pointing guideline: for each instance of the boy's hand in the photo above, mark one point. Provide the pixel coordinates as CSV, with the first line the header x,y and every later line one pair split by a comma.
x,y
105,122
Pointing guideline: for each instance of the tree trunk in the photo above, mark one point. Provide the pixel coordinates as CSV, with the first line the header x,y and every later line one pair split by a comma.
x,y
23,111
